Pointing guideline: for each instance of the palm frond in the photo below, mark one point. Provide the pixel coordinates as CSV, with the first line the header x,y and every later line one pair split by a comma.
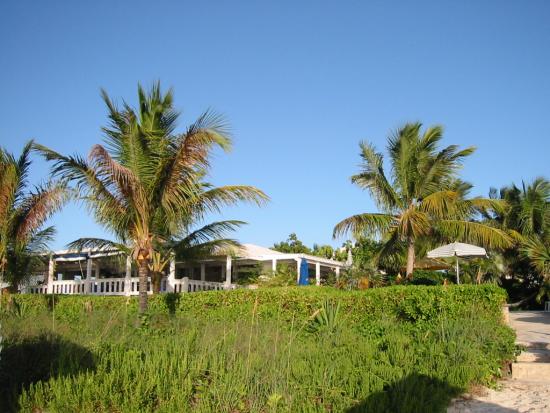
x,y
538,254
97,244
206,249
474,232
38,207
361,225
209,232
372,177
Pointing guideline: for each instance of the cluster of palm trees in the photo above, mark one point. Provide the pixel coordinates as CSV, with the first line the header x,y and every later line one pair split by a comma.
x,y
147,186
423,203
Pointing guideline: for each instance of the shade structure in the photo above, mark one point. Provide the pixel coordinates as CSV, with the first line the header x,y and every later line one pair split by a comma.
x,y
304,273
457,249
429,264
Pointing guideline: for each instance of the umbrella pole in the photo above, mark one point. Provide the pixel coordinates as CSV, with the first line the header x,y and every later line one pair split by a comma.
x,y
457,271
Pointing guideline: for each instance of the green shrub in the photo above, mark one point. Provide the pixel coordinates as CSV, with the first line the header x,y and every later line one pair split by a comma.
x,y
404,349
412,303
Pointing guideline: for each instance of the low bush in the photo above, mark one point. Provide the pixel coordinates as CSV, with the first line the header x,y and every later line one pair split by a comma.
x,y
412,303
404,349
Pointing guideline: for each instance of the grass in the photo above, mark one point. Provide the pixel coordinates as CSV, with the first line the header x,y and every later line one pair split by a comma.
x,y
103,361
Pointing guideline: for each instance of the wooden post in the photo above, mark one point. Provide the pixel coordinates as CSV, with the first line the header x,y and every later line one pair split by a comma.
x,y
203,271
171,275
128,276
317,273
506,314
228,268
88,280
51,270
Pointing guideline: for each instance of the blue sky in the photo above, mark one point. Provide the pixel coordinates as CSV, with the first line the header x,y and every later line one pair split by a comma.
x,y
300,82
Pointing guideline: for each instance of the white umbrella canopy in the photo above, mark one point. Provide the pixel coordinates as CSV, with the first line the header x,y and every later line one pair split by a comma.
x,y
457,249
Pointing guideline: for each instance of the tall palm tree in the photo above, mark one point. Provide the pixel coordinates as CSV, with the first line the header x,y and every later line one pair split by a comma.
x,y
147,185
23,213
423,198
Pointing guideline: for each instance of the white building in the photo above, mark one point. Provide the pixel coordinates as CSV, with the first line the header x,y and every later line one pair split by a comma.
x,y
110,272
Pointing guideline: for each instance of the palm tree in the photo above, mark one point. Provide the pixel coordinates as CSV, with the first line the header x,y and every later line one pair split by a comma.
x,y
423,199
528,211
147,184
527,219
23,212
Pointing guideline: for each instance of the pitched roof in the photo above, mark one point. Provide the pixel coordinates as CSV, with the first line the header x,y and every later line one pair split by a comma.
x,y
251,250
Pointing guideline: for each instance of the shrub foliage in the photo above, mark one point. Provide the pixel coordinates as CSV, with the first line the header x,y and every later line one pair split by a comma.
x,y
404,349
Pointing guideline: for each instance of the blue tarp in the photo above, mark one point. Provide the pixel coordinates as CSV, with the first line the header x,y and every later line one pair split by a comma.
x,y
304,273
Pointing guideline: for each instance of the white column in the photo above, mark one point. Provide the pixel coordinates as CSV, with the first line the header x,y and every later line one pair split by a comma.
x,y
88,280
171,275
337,270
228,267
185,285
203,271
273,265
128,276
51,270
298,261
317,273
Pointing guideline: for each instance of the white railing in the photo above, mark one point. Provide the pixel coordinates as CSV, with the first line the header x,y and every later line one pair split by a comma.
x,y
126,286
37,289
68,287
186,285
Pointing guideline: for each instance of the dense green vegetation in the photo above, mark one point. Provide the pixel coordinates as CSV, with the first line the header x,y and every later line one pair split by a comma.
x,y
23,214
405,349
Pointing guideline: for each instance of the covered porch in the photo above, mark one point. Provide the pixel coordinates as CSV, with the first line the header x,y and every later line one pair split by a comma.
x,y
111,272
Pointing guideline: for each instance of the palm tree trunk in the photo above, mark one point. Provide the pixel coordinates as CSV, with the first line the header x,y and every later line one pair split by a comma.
x,y
410,259
143,271
156,279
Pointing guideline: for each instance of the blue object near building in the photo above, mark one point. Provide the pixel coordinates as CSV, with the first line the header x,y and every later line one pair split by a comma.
x,y
304,273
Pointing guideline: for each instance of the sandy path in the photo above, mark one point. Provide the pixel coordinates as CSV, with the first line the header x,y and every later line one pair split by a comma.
x,y
512,396
533,330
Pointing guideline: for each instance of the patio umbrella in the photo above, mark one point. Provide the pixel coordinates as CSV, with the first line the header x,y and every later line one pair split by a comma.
x,y
429,264
304,273
457,249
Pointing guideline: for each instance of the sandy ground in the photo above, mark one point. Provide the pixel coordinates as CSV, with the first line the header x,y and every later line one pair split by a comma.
x,y
511,396
533,330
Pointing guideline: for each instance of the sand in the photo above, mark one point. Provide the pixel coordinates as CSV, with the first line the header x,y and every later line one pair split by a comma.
x,y
511,396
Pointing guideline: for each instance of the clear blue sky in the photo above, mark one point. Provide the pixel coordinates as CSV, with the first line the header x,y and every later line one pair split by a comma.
x,y
301,83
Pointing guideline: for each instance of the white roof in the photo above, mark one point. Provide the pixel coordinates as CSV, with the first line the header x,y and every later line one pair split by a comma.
x,y
251,250
255,252
457,249
245,251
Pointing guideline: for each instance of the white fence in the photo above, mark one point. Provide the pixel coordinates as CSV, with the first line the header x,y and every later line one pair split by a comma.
x,y
126,286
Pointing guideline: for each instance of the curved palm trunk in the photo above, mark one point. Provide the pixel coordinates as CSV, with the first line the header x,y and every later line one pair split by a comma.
x,y
410,259
143,272
156,279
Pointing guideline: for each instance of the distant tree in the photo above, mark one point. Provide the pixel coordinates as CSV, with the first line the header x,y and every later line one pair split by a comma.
x,y
23,213
325,251
292,245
